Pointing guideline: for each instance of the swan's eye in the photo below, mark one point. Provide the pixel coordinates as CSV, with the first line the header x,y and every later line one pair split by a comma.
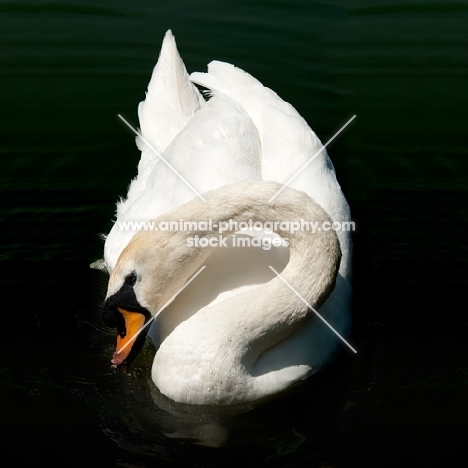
x,y
131,279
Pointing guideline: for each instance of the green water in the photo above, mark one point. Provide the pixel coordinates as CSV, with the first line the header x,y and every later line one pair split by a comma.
x,y
68,69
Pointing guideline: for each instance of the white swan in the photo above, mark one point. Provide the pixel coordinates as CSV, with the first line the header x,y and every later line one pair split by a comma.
x,y
236,333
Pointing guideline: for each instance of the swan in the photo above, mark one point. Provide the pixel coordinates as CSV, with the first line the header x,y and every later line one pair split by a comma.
x,y
237,331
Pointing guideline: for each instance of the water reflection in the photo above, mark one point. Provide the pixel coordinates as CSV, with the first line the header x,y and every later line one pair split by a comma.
x,y
142,421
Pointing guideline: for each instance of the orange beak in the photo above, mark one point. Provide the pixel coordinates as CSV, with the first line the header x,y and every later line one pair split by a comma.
x,y
134,322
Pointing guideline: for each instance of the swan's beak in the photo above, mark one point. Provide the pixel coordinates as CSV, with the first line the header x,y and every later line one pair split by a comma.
x,y
134,323
123,312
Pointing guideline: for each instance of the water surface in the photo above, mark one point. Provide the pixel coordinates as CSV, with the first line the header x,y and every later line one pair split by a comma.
x,y
70,67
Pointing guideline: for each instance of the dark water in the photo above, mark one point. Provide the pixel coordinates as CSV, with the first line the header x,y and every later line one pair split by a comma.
x,y
68,69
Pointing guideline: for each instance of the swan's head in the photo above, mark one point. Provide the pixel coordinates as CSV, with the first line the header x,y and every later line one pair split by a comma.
x,y
149,272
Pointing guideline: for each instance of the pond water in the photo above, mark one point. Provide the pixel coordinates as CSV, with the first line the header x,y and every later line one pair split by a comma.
x,y
70,67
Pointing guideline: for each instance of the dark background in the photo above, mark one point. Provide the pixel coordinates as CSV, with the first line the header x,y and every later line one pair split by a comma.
x,y
68,68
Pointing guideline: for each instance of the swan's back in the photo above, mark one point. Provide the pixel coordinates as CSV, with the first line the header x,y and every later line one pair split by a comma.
x,y
202,146
287,141
245,131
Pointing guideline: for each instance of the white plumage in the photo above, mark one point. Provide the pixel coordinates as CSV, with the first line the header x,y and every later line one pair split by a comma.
x,y
244,132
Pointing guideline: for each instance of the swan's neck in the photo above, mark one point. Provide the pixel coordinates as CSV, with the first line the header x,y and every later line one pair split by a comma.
x,y
224,342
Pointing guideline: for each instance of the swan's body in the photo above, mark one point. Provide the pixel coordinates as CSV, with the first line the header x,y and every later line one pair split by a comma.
x,y
236,333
